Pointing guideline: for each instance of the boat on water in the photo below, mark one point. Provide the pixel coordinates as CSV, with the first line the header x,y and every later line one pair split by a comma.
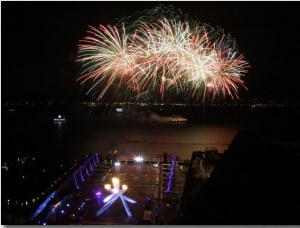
x,y
178,119
60,119
172,119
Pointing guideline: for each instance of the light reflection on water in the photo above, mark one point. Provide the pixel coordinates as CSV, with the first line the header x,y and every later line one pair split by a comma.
x,y
156,138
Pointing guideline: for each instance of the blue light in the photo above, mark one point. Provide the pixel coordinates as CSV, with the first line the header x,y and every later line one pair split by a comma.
x,y
171,175
98,194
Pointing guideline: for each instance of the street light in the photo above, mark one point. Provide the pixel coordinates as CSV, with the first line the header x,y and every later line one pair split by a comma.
x,y
138,159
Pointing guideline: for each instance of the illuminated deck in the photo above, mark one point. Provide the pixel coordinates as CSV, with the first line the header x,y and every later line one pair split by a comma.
x,y
143,180
153,188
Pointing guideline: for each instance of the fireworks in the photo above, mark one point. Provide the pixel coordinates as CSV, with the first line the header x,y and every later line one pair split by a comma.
x,y
148,56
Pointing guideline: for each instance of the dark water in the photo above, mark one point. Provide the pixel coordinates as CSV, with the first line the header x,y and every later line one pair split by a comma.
x,y
52,148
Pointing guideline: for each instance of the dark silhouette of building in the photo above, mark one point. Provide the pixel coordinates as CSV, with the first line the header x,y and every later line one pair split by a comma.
x,y
257,182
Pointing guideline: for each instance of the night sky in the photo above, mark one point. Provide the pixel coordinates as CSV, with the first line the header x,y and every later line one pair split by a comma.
x,y
39,43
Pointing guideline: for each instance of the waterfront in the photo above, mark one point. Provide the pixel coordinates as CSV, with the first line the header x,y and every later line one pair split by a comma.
x,y
49,150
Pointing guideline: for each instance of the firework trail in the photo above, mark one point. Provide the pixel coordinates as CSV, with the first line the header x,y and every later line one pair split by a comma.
x,y
160,52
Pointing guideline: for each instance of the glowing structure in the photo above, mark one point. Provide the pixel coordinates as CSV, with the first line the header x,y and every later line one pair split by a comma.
x,y
149,55
116,193
88,165
171,174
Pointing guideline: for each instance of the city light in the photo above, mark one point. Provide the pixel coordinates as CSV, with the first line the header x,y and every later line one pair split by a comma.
x,y
138,159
